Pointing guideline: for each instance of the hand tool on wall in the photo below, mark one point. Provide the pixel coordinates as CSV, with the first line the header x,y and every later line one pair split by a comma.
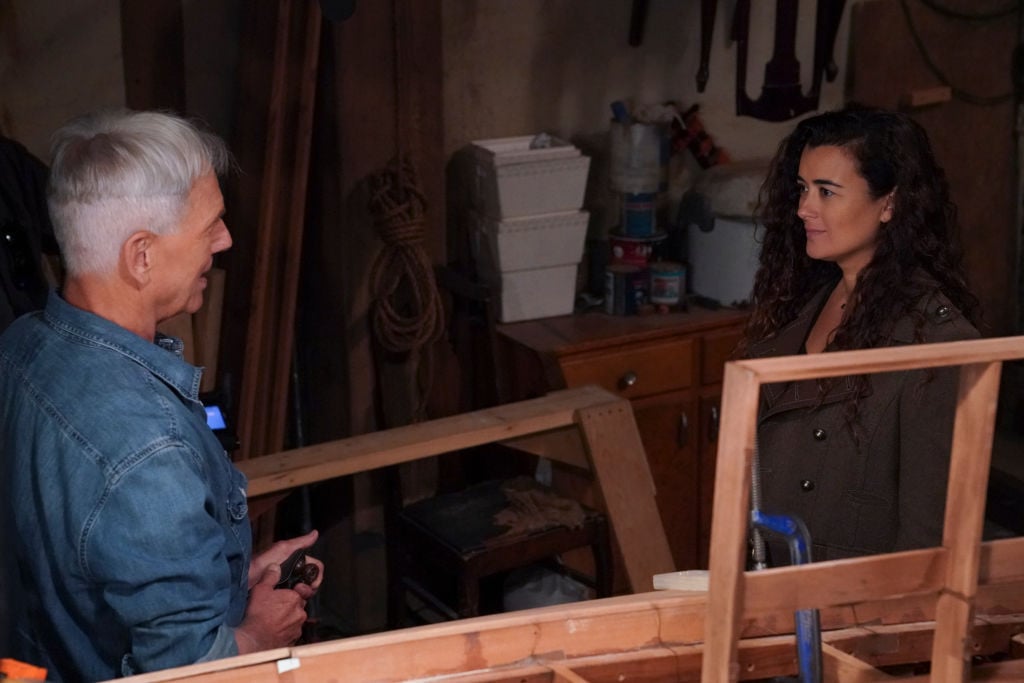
x,y
782,95
708,10
637,19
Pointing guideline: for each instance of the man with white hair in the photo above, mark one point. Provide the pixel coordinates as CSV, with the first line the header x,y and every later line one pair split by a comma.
x,y
133,540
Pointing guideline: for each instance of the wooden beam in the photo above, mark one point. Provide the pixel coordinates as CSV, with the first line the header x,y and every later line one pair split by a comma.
x,y
731,516
291,468
271,321
973,430
889,359
840,667
207,323
619,464
153,49
603,641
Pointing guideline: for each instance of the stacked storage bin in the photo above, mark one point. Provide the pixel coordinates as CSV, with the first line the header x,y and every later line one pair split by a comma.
x,y
531,226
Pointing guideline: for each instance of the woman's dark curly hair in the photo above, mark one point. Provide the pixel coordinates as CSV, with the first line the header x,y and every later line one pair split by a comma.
x,y
893,154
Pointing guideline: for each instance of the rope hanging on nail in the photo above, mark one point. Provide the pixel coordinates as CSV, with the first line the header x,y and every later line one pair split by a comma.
x,y
407,313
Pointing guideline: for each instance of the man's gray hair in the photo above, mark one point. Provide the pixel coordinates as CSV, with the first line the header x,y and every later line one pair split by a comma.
x,y
115,172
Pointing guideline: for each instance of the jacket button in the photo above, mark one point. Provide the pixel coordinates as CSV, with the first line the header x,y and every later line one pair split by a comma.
x,y
942,311
806,485
820,434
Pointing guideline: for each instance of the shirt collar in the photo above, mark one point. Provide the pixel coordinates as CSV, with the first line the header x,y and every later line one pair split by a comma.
x,y
162,357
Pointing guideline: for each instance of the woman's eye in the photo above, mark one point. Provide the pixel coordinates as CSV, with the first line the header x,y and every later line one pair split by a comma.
x,y
802,189
825,192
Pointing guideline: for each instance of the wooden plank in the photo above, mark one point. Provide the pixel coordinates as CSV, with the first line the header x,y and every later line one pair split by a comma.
x,y
914,357
840,667
844,582
973,429
268,350
644,637
563,674
153,49
256,666
206,328
563,445
291,468
620,469
731,521
294,182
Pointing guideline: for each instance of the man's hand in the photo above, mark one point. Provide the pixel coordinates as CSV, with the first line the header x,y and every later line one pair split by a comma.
x,y
278,553
273,618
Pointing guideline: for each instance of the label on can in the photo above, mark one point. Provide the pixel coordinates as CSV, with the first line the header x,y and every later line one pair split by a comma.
x,y
625,289
638,214
666,282
636,251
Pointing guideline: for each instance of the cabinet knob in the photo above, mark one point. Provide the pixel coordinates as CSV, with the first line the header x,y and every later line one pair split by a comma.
x,y
713,423
628,379
684,430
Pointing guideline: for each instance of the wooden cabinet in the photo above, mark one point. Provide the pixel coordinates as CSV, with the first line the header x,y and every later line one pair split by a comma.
x,y
670,368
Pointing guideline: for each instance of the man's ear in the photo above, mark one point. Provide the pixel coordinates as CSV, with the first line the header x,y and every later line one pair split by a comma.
x,y
137,256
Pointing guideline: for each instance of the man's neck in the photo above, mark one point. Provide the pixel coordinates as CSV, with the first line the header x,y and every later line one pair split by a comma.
x,y
110,300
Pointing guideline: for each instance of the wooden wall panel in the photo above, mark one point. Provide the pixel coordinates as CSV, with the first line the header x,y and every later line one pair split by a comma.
x,y
973,143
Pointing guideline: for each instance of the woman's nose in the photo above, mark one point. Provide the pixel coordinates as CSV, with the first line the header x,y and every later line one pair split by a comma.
x,y
805,208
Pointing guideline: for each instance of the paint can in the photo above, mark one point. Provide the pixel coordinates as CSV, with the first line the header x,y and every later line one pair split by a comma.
x,y
634,251
667,282
625,289
639,214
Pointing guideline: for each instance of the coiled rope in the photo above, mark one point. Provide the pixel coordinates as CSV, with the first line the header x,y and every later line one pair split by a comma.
x,y
407,314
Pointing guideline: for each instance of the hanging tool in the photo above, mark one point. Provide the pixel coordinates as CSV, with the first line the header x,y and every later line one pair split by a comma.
x,y
708,10
782,95
637,21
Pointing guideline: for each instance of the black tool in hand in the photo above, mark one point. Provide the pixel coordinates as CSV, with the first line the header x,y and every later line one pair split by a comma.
x,y
295,570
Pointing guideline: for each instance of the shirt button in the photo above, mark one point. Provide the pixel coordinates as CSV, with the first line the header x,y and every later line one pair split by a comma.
x,y
806,485
820,434
942,311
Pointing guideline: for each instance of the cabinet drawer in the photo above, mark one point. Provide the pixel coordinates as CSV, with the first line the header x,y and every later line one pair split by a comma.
x,y
635,371
716,349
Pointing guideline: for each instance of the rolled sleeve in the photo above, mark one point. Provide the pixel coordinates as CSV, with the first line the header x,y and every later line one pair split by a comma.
x,y
157,548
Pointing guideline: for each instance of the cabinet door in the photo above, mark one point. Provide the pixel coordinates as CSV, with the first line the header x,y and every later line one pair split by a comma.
x,y
707,456
668,429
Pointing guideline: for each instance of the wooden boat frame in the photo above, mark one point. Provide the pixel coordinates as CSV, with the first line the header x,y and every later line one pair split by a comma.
x,y
949,606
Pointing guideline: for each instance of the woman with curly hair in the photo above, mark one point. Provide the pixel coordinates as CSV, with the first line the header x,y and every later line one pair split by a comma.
x,y
859,252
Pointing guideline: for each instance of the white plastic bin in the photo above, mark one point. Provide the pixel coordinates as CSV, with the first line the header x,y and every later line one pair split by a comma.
x,y
513,180
535,293
551,239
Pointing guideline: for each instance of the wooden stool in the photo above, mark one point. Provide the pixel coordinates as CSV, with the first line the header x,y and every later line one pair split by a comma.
x,y
453,539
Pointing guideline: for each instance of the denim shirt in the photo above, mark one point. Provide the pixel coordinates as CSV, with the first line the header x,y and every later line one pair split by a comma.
x,y
133,539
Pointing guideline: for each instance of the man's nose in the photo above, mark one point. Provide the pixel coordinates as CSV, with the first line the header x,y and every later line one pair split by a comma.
x,y
223,242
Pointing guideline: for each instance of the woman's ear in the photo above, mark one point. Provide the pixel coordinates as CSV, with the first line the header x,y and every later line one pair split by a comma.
x,y
887,208
136,257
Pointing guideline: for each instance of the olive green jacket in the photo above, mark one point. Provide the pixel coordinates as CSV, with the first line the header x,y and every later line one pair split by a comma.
x,y
884,489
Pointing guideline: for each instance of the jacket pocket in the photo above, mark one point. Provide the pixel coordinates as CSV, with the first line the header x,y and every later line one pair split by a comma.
x,y
871,525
